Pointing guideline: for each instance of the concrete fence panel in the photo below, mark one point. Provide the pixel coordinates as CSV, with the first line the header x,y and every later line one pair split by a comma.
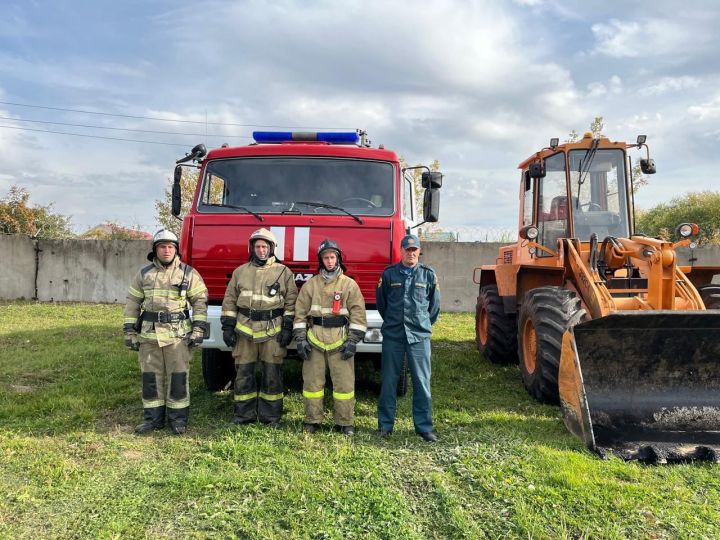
x,y
17,270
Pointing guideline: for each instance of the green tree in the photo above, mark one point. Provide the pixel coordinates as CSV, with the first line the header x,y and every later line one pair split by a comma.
x,y
163,207
702,207
18,217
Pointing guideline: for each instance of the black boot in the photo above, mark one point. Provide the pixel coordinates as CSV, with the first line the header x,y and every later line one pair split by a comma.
x,y
153,418
245,391
178,419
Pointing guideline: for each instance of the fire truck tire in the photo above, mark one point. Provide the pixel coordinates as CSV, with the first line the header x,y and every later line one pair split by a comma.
x,y
495,331
218,369
710,295
545,314
402,386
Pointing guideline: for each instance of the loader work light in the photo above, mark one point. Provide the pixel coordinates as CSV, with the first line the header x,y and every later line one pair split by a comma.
x,y
686,230
332,137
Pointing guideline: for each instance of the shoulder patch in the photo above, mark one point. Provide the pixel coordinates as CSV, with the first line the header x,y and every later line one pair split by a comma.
x,y
379,282
146,269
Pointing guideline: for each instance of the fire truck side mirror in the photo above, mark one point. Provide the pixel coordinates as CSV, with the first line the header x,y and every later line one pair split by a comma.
x,y
176,192
432,179
431,205
647,166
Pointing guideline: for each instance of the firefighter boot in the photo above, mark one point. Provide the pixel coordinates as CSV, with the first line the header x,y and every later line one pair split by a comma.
x,y
153,418
178,419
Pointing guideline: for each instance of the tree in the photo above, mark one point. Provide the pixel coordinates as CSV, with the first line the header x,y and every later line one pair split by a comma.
x,y
163,207
113,231
701,207
18,217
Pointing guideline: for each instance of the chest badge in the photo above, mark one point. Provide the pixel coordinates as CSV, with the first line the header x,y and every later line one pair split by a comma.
x,y
337,297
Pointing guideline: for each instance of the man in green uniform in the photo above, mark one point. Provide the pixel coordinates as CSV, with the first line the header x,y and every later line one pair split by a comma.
x,y
158,325
333,306
257,317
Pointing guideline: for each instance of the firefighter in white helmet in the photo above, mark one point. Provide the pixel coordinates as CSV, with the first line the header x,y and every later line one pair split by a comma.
x,y
157,323
329,322
257,317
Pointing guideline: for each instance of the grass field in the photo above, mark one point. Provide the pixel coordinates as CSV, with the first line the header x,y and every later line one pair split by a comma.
x,y
505,467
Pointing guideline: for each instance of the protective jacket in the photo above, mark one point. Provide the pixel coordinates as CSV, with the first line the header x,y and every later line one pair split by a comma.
x,y
408,300
258,297
326,330
162,294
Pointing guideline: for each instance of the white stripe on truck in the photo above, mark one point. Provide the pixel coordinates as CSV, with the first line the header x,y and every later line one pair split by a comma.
x,y
301,247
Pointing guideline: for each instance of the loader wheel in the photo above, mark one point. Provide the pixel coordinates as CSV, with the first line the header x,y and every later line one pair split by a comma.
x,y
545,314
495,331
710,295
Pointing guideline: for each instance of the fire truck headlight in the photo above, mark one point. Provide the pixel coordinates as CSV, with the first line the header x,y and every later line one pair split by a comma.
x,y
374,335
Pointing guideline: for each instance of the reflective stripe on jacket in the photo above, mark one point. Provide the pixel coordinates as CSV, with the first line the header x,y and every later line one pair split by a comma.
x,y
249,289
316,299
157,288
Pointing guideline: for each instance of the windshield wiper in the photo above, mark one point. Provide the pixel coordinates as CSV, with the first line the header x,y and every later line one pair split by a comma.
x,y
331,207
238,208
584,167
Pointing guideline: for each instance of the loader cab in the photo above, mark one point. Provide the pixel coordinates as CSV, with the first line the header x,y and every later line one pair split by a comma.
x,y
579,192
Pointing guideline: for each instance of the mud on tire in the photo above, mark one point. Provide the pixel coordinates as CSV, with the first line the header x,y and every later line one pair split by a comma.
x,y
546,313
495,331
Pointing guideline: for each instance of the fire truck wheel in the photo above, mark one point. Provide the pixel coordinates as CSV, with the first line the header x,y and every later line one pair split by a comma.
x,y
495,331
545,314
218,369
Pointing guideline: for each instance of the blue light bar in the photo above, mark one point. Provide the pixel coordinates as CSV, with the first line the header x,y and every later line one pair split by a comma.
x,y
334,137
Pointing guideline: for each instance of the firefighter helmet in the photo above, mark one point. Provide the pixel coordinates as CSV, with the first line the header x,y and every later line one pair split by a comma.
x,y
262,234
164,235
330,245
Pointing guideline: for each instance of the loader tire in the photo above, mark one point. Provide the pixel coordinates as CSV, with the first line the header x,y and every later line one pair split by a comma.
x,y
495,331
710,295
545,314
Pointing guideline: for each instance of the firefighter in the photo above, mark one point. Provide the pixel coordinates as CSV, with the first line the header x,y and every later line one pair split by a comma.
x,y
158,325
408,299
257,319
333,305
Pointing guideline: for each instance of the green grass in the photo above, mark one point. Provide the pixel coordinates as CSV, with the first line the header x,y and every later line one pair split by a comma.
x,y
70,466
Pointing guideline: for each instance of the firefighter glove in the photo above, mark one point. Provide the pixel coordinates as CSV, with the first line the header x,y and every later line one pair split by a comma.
x,y
131,341
349,348
285,335
228,328
303,347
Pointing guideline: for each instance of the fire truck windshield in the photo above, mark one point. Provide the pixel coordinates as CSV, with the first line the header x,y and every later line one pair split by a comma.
x,y
277,184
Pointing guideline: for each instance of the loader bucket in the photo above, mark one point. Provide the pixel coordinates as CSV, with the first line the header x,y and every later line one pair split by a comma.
x,y
644,384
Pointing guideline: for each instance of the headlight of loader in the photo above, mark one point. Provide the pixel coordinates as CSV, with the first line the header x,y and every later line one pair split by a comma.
x,y
529,233
686,230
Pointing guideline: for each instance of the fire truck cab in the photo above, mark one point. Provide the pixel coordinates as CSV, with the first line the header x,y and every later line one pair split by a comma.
x,y
304,187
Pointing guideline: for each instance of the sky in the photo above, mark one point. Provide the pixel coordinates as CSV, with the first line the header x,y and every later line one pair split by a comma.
x,y
477,85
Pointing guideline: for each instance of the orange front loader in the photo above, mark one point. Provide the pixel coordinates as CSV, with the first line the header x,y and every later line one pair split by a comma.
x,y
602,318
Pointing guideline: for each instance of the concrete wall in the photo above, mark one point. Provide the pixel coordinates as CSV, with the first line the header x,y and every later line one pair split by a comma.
x,y
99,270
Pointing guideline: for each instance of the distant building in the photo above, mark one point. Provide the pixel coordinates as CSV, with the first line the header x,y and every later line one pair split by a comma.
x,y
110,231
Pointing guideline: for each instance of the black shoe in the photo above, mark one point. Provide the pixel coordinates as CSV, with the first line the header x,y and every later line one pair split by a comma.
x,y
310,428
242,421
383,433
178,428
348,431
147,427
275,424
429,436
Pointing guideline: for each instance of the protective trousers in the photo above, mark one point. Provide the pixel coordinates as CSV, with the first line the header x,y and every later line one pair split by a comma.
x,y
418,355
165,382
342,374
267,404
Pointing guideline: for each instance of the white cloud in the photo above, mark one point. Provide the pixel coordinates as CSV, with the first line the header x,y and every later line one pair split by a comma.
x,y
642,38
670,84
706,111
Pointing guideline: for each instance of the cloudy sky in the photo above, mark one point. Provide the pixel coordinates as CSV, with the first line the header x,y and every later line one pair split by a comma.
x,y
478,85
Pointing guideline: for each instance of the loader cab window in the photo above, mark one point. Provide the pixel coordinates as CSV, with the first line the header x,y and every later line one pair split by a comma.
x,y
527,199
553,211
599,193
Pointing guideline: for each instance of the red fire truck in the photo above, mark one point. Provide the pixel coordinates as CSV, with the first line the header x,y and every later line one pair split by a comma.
x,y
304,187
